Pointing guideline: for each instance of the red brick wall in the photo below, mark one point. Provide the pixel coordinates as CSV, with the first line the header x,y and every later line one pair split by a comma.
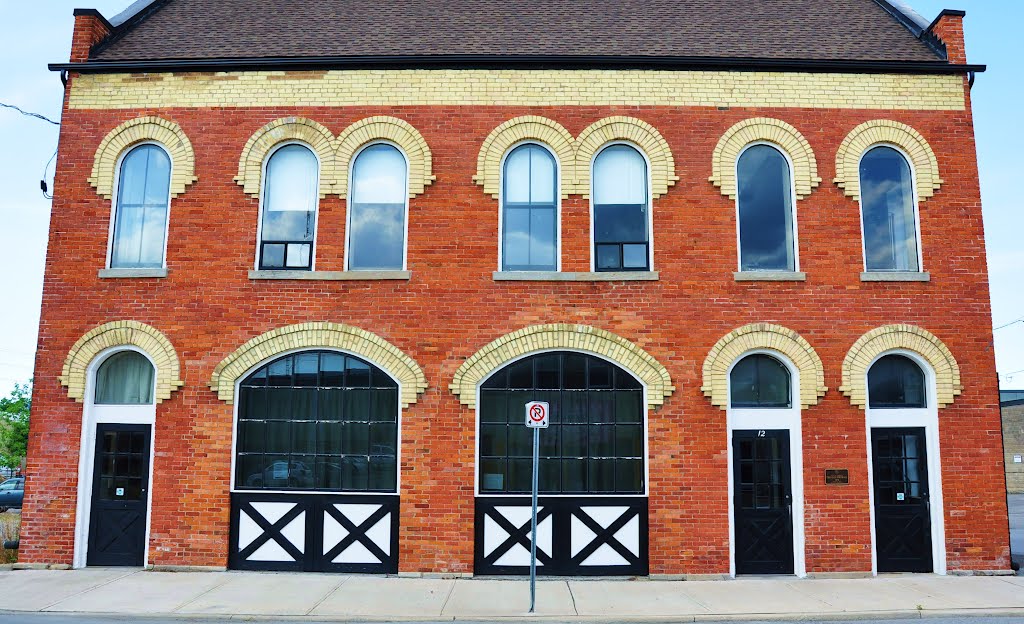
x,y
451,307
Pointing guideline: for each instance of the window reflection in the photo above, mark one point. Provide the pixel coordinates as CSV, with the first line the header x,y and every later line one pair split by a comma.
x,y
290,197
140,221
620,210
887,203
765,210
896,381
377,213
760,381
529,204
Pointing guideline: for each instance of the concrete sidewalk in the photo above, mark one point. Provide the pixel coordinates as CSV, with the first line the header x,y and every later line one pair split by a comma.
x,y
351,598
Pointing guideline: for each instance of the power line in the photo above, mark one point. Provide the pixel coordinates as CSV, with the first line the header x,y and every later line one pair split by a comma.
x,y
1021,319
28,114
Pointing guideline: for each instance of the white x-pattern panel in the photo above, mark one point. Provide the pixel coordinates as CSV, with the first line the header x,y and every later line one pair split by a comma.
x,y
581,535
249,531
358,514
518,555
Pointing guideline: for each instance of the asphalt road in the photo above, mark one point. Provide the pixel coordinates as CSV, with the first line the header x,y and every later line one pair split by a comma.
x,y
35,618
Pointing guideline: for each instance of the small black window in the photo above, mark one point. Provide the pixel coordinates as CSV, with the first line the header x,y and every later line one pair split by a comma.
x,y
762,381
317,420
621,239
895,381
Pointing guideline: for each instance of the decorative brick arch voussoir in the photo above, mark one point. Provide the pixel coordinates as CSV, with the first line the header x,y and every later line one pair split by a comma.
x,y
526,128
320,335
785,136
763,336
562,337
122,334
395,130
300,129
891,337
135,131
881,132
644,135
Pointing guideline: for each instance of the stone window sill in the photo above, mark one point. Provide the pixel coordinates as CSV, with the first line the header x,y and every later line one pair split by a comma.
x,y
131,273
330,276
770,276
588,276
895,276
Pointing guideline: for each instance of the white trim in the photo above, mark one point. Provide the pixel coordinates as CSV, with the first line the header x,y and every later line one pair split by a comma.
x,y
917,205
558,204
928,418
108,414
771,418
115,196
263,196
277,356
476,438
650,203
348,206
793,210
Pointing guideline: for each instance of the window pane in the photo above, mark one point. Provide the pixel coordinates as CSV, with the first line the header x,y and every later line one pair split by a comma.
x,y
529,205
542,238
620,223
290,197
125,378
887,203
620,176
896,381
377,213
516,250
765,210
760,381
140,221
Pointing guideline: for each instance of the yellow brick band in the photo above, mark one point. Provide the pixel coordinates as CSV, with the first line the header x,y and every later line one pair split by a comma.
x,y
769,337
397,131
527,128
892,337
519,87
264,140
320,335
784,136
561,336
122,334
140,130
884,131
644,135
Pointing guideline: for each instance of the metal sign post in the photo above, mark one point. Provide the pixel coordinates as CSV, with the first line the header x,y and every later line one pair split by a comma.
x,y
536,419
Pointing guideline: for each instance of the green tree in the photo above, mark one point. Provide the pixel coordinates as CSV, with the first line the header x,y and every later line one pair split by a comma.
x,y
14,415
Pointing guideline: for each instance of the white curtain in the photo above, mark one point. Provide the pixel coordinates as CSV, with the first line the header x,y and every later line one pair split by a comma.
x,y
125,378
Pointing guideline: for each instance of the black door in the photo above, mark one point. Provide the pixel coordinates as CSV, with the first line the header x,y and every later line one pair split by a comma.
x,y
117,522
903,528
763,501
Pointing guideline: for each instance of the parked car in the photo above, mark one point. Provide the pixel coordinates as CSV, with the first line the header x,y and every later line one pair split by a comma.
x,y
12,493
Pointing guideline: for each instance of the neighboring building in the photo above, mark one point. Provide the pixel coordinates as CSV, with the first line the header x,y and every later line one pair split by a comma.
x,y
1011,406
307,265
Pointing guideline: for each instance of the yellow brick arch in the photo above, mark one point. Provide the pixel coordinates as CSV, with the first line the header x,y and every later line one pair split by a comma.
x,y
320,335
644,135
891,337
264,140
780,133
134,131
526,128
769,337
882,132
562,337
122,334
395,130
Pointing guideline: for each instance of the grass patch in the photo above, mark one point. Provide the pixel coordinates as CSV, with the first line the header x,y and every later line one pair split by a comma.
x,y
10,529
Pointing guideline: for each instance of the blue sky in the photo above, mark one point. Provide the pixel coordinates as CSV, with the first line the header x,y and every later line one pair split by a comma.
x,y
35,33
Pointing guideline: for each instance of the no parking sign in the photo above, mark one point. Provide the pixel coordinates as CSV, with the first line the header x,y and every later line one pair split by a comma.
x,y
537,414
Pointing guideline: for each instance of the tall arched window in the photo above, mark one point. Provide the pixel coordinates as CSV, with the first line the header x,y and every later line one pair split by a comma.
x,y
765,207
621,198
317,420
124,378
140,219
290,198
760,380
376,232
889,211
896,382
529,205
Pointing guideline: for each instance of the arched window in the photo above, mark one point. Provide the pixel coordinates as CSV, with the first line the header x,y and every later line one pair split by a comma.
x,y
765,205
595,442
896,381
529,205
140,219
889,211
376,239
124,378
317,420
760,381
290,199
621,237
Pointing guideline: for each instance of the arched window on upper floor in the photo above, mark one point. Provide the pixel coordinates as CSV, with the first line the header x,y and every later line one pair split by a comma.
x,y
290,199
760,381
529,236
889,211
377,209
896,382
621,196
140,215
767,233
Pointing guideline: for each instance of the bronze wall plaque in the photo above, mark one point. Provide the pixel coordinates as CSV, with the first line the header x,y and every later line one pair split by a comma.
x,y
837,476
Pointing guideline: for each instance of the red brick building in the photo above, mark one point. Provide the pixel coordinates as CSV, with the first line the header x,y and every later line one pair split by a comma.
x,y
308,262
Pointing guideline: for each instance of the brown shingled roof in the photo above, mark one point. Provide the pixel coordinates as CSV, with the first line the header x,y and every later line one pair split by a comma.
x,y
827,30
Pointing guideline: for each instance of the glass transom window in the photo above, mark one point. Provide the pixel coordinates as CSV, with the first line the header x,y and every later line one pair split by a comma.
x,y
760,381
595,442
317,420
894,382
125,378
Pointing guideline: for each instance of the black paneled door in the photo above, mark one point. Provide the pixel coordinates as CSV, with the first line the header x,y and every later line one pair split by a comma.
x,y
117,522
763,501
903,528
